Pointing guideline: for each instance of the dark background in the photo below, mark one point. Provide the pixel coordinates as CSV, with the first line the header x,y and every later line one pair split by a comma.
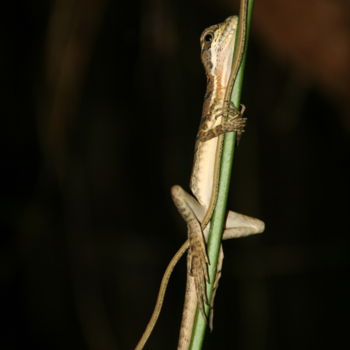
x,y
101,102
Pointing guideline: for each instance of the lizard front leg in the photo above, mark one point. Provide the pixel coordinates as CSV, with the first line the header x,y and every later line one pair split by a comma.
x,y
232,120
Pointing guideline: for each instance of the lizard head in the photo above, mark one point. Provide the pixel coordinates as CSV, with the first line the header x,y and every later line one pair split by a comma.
x,y
217,43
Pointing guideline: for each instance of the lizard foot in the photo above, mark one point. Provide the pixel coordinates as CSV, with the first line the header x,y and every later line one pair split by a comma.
x,y
198,263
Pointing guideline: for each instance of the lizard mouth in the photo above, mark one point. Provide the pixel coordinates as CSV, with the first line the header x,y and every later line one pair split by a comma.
x,y
225,54
230,25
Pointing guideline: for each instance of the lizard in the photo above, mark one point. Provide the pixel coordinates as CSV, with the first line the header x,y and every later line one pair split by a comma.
x,y
218,117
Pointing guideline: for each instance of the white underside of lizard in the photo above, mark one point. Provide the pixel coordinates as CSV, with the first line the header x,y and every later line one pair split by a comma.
x,y
203,170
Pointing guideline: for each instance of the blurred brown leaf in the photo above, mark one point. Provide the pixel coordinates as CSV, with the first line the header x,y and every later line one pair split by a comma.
x,y
313,36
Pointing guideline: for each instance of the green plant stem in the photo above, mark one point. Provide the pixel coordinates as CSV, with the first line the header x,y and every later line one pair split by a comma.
x,y
217,222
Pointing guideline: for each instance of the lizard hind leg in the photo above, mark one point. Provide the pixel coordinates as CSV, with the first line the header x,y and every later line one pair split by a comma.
x,y
198,263
192,212
216,285
239,225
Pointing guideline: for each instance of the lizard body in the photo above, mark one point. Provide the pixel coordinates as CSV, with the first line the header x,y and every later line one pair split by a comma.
x,y
218,117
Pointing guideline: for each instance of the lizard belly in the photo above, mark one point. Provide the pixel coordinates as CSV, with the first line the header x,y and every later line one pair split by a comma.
x,y
203,171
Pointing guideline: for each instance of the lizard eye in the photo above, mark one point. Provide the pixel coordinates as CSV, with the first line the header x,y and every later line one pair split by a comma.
x,y
208,37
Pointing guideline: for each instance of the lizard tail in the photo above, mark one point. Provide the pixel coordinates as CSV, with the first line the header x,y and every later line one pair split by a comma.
x,y
160,298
